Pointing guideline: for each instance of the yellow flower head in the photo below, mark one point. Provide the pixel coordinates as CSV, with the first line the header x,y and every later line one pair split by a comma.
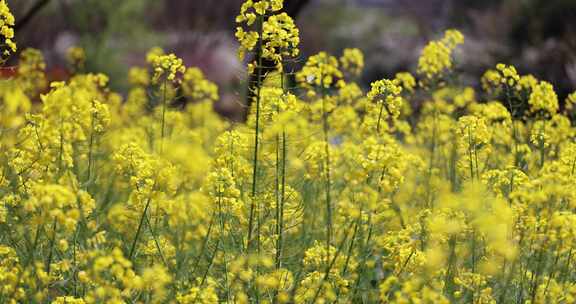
x,y
406,81
253,8
570,101
138,76
352,61
473,132
436,57
76,57
280,38
278,35
6,30
167,67
387,92
321,70
503,76
153,53
543,99
197,87
31,71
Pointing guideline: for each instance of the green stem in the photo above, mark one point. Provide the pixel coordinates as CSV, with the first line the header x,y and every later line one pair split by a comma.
x,y
380,117
204,244
281,194
256,135
89,173
140,224
163,122
366,252
51,248
470,142
325,129
330,265
351,247
514,133
156,243
449,278
222,231
541,145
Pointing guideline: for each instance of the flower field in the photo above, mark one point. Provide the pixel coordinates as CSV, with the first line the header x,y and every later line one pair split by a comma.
x,y
418,189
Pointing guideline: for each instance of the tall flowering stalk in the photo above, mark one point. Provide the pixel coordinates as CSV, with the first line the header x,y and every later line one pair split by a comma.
x,y
320,73
254,13
168,70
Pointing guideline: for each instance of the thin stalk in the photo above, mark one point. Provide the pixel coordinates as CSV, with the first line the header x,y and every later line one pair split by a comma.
x,y
282,200
256,134
512,270
351,247
222,230
28,261
449,278
511,187
61,149
329,267
401,270
278,201
536,275
553,270
140,224
566,268
75,273
473,249
476,163
51,249
91,146
431,161
280,189
156,243
380,117
34,245
163,122
514,133
327,168
210,263
278,215
204,244
366,252
541,145
280,195
470,154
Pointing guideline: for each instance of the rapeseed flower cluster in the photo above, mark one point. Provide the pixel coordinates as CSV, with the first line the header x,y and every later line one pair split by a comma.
x,y
7,22
167,68
352,61
76,57
437,56
280,38
321,70
330,193
32,71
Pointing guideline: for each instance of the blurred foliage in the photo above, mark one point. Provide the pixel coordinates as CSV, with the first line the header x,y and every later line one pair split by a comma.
x,y
108,29
538,36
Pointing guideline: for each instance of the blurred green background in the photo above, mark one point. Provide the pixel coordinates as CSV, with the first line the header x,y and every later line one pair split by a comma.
x,y
537,36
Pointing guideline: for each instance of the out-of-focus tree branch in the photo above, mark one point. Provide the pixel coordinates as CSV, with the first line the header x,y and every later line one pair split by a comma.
x,y
294,7
30,14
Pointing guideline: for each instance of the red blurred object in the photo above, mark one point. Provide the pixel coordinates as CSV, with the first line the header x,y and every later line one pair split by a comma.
x,y
53,74
58,74
8,72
